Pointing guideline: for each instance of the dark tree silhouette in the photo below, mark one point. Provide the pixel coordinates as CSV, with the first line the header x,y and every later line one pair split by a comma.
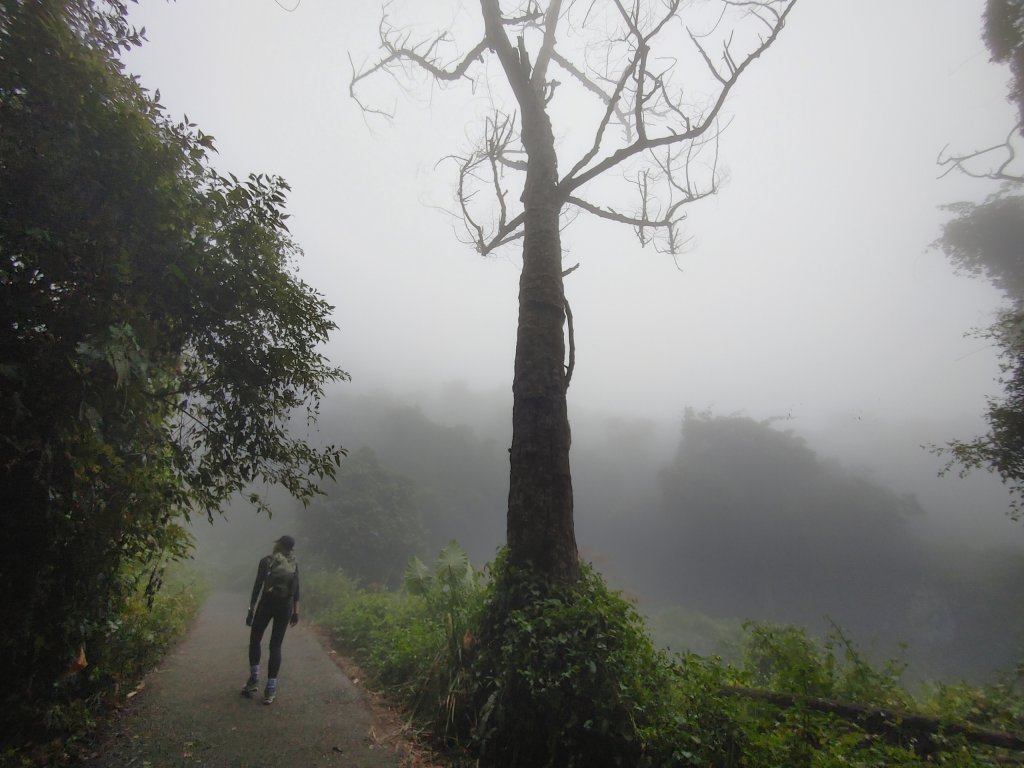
x,y
987,240
155,345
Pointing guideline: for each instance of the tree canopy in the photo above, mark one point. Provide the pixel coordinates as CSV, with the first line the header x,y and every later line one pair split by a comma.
x,y
1003,33
987,240
156,342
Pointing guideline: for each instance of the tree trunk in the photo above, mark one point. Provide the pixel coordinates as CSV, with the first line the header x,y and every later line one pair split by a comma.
x,y
540,510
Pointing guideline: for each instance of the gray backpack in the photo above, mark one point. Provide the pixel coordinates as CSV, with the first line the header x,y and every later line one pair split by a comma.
x,y
280,577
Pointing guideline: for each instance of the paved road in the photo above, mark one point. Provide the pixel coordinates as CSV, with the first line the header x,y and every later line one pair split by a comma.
x,y
190,712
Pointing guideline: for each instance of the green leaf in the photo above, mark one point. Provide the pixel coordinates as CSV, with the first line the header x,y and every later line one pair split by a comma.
x,y
417,577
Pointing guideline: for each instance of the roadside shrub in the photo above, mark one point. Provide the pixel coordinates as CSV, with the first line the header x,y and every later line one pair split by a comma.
x,y
154,612
391,634
325,593
410,642
454,594
999,705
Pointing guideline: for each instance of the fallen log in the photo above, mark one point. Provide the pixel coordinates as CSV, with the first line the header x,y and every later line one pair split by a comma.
x,y
883,722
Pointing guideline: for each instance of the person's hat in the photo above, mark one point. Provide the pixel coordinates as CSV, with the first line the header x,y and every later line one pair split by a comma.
x,y
286,543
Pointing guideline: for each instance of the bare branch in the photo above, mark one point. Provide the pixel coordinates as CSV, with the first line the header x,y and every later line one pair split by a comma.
x,y
508,56
577,178
756,7
352,93
399,50
484,168
550,26
611,104
477,233
506,234
612,215
532,14
960,162
669,141
707,59
497,143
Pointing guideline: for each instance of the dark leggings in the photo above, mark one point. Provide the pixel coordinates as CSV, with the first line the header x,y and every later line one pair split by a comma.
x,y
278,611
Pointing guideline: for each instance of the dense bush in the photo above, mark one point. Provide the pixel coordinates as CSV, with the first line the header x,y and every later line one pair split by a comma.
x,y
149,622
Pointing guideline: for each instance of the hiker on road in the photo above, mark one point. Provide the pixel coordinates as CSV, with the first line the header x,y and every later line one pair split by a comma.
x,y
277,591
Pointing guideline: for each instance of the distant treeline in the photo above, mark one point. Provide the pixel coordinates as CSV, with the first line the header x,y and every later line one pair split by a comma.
x,y
744,522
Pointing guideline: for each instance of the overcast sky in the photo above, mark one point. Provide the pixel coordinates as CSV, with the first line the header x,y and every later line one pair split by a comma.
x,y
809,290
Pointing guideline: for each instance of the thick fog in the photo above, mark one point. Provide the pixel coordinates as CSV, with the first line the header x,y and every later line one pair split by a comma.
x,y
809,295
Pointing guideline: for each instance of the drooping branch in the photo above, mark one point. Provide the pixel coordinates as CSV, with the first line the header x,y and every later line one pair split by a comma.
x,y
571,366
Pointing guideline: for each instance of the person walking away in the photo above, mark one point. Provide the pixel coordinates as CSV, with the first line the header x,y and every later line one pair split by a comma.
x,y
277,591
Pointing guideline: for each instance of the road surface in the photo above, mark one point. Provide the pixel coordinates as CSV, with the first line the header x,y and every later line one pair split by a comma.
x,y
190,711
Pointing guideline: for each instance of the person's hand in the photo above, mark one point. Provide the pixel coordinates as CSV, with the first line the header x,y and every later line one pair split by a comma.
x,y
294,619
248,617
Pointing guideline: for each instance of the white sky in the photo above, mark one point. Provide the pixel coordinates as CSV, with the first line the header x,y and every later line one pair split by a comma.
x,y
810,289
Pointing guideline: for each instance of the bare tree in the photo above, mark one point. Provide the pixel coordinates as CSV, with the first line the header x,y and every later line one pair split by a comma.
x,y
616,69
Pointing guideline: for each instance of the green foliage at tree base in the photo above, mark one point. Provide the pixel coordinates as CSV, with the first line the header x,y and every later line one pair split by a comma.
x,y
565,676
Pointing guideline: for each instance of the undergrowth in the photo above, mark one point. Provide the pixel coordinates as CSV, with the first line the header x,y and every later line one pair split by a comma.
x,y
517,673
414,642
155,611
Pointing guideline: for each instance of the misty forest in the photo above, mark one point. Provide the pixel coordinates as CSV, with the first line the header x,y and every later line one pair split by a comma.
x,y
550,524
